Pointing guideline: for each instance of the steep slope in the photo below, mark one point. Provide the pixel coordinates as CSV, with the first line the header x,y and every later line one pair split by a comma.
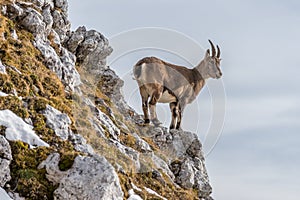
x,y
66,131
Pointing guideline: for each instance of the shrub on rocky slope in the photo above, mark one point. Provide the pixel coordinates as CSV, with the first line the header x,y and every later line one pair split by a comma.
x,y
57,83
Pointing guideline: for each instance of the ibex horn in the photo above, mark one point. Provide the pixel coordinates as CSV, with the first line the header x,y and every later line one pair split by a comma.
x,y
219,52
212,49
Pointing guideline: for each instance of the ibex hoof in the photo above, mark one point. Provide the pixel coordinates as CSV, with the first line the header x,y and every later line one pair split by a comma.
x,y
156,122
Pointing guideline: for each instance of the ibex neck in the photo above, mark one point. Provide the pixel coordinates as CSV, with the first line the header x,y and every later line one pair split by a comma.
x,y
202,70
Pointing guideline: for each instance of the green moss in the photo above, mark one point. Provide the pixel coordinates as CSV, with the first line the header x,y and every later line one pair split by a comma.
x,y
67,160
14,104
2,130
28,180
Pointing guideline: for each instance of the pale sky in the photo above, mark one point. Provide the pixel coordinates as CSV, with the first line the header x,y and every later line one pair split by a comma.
x,y
257,156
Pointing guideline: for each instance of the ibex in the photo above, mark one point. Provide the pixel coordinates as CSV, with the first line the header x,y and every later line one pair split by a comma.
x,y
163,82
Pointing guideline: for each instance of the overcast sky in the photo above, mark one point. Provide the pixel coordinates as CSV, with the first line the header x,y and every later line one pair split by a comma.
x,y
257,156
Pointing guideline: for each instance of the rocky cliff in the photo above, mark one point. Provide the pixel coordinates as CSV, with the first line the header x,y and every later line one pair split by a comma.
x,y
66,131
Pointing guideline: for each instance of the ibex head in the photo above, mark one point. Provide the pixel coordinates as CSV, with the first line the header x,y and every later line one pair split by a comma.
x,y
211,63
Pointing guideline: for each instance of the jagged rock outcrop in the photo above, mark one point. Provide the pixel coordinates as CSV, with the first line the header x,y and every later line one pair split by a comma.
x,y
49,29
94,146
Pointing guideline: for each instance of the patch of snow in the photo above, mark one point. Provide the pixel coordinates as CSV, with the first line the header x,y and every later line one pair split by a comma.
x,y
133,196
4,195
154,193
2,94
15,69
2,68
17,129
135,187
14,34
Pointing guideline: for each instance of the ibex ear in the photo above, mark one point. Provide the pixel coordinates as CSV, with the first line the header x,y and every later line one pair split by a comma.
x,y
207,54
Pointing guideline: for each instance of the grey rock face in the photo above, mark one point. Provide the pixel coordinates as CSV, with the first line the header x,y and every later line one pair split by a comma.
x,y
63,66
5,159
102,118
50,22
60,123
33,22
129,152
62,4
89,178
186,158
90,47
48,19
75,39
142,145
111,85
13,11
61,23
112,129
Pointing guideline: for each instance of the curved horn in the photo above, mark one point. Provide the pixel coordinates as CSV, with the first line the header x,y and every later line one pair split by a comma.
x,y
212,49
219,52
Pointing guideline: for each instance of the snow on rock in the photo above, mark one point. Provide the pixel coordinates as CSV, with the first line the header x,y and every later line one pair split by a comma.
x,y
133,196
17,129
2,68
91,178
2,94
5,159
4,195
154,193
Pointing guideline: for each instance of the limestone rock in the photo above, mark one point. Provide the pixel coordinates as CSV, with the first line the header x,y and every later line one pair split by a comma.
x,y
13,11
75,39
142,145
61,23
185,157
33,22
51,165
48,19
111,85
5,159
89,178
90,47
62,4
103,119
128,151
63,66
60,123
50,22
